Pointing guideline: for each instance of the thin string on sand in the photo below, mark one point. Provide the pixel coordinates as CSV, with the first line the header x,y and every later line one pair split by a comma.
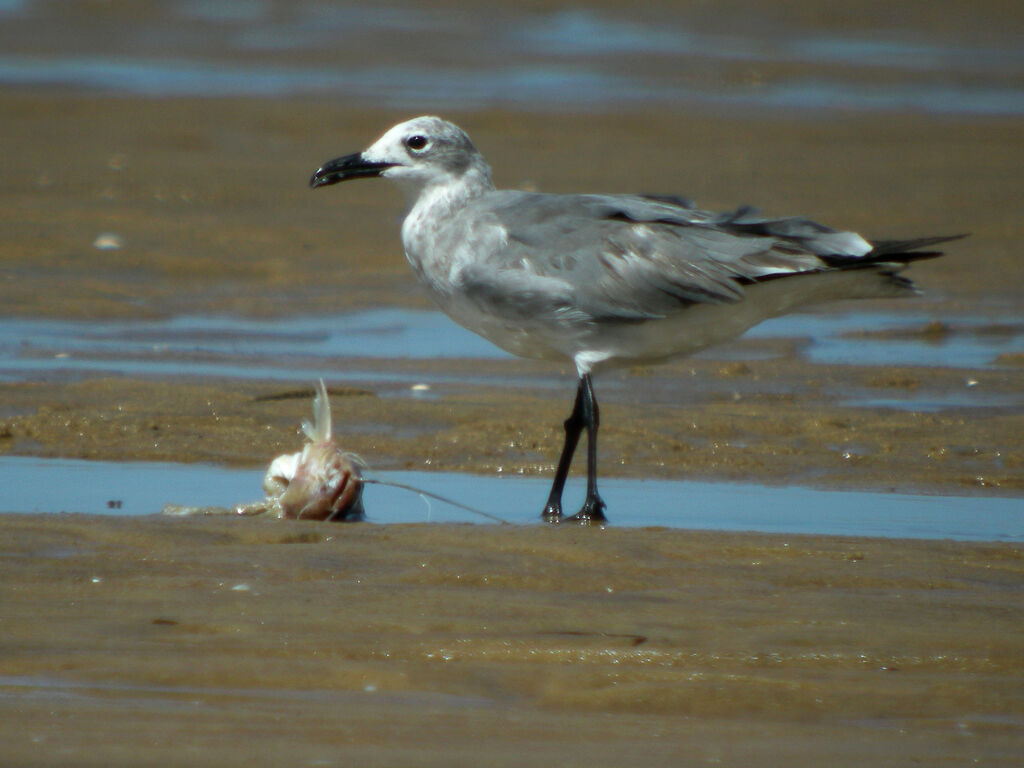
x,y
438,497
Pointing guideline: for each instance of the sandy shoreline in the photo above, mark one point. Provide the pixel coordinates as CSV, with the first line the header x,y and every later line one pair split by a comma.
x,y
434,645
806,438
152,641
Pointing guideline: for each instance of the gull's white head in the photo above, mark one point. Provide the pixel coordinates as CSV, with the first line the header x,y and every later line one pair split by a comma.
x,y
417,153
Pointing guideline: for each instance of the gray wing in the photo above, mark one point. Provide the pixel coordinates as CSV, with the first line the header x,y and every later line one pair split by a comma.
x,y
632,258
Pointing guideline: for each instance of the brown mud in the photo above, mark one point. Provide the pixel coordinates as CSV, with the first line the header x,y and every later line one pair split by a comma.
x,y
240,641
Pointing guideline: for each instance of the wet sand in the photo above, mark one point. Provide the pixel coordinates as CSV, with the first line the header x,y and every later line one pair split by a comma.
x,y
233,641
764,421
155,641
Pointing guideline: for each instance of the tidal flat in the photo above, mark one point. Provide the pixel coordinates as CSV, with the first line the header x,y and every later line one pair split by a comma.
x,y
156,641
136,641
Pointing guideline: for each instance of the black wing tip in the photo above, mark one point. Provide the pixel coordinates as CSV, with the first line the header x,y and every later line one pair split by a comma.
x,y
893,251
910,248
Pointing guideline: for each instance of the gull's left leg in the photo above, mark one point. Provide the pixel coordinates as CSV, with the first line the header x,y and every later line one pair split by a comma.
x,y
593,507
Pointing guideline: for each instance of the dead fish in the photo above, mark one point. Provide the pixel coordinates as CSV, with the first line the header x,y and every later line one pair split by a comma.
x,y
320,482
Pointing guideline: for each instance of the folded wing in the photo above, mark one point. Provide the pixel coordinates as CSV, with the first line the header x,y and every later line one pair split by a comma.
x,y
634,258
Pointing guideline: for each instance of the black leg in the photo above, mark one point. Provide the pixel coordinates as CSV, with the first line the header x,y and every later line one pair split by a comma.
x,y
584,414
593,507
573,426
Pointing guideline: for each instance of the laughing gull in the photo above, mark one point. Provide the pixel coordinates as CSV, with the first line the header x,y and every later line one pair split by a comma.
x,y
605,280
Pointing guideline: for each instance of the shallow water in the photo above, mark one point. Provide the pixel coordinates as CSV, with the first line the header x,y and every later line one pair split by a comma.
x,y
886,338
342,348
169,698
285,348
460,58
252,348
58,485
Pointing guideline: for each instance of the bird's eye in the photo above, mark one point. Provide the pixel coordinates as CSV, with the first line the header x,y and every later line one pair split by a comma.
x,y
417,143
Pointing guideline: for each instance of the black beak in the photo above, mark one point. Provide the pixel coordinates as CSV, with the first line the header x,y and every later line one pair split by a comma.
x,y
345,168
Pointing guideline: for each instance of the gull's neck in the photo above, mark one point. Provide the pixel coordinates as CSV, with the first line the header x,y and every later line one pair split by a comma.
x,y
446,193
438,200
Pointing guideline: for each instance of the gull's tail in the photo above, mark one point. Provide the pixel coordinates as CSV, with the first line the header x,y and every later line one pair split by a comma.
x,y
886,259
892,251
